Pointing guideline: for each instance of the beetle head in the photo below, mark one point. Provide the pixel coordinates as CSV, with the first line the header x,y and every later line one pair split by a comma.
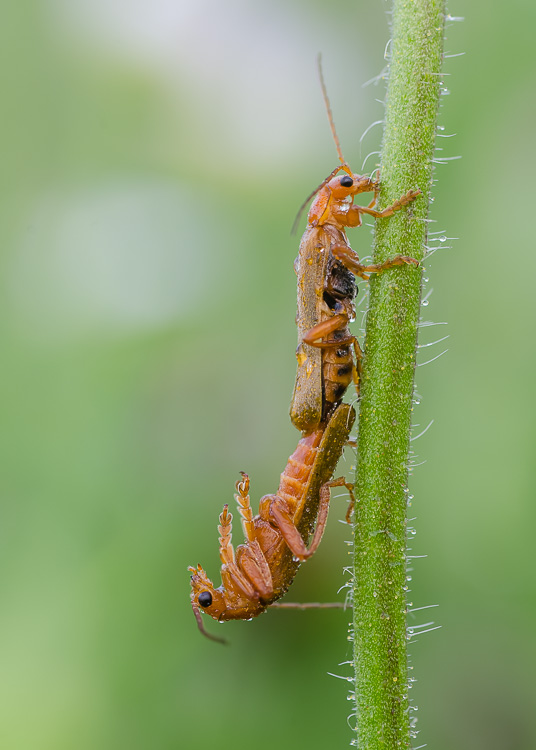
x,y
342,186
205,598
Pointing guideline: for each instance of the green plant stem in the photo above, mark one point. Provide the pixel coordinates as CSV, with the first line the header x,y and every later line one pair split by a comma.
x,y
380,640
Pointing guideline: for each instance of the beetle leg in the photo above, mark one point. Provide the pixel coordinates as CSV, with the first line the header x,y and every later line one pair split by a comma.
x,y
233,578
244,507
253,562
357,367
376,185
341,482
398,260
323,329
350,259
311,605
283,520
250,573
329,326
230,570
396,206
290,533
225,529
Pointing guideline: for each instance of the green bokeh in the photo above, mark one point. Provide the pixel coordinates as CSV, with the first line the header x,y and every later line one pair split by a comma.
x,y
154,157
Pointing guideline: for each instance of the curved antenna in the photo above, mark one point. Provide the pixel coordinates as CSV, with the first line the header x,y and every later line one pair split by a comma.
x,y
328,109
201,627
344,164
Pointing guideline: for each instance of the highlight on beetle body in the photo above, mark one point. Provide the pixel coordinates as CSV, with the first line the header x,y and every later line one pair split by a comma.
x,y
260,571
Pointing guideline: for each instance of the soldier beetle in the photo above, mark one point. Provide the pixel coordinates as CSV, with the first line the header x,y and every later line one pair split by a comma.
x,y
261,570
325,267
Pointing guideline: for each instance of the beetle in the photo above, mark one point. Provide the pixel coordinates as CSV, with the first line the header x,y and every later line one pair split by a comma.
x,y
325,267
286,531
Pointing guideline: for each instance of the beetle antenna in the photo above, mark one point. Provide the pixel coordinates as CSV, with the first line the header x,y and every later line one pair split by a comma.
x,y
328,109
344,165
201,627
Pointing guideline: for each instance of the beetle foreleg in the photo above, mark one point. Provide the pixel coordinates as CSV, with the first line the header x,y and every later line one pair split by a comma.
x,y
396,206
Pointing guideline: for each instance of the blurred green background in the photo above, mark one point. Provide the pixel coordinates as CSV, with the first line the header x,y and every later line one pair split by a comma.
x,y
154,156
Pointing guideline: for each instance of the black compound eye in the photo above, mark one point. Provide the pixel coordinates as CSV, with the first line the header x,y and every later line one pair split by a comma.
x,y
205,598
346,181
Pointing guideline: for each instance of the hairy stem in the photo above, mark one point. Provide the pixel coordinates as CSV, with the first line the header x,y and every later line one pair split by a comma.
x,y
380,641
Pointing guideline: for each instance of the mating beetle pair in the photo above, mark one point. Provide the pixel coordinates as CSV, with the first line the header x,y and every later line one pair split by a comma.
x,y
329,357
